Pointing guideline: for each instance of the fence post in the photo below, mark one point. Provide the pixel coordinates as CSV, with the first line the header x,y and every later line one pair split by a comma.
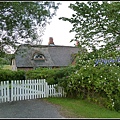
x,y
11,90
46,89
8,91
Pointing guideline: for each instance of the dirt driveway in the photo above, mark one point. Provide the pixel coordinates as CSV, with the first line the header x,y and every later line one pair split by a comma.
x,y
37,108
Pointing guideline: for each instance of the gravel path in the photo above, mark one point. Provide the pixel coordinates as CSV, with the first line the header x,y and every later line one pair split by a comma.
x,y
37,108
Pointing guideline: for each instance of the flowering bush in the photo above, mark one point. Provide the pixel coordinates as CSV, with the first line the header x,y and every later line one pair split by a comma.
x,y
100,83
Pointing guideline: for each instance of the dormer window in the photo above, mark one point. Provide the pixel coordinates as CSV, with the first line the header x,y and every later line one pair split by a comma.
x,y
38,56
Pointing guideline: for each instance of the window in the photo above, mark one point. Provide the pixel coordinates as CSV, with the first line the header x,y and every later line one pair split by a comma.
x,y
38,56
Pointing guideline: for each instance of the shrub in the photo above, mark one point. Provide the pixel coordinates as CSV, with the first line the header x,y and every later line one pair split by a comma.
x,y
42,73
52,76
6,75
117,106
100,83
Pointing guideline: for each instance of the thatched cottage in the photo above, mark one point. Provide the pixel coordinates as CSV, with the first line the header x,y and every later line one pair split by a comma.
x,y
53,56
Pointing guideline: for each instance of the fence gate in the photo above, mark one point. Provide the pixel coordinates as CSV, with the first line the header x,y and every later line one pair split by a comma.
x,y
27,89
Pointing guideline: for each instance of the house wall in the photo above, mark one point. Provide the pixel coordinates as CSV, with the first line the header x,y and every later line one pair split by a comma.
x,y
26,69
23,68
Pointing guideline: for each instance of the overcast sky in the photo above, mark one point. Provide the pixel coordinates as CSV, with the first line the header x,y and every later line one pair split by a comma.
x,y
59,29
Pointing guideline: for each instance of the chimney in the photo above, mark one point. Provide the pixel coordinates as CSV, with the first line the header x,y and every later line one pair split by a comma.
x,y
77,43
50,41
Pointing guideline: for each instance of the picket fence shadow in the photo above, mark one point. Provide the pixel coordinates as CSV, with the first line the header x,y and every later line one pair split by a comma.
x,y
16,90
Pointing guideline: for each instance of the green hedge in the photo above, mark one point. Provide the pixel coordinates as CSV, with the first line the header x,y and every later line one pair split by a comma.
x,y
52,76
6,75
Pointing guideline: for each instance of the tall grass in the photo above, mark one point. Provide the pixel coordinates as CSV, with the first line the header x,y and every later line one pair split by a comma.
x,y
76,108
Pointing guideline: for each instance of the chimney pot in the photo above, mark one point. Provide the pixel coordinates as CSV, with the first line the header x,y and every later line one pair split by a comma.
x,y
50,41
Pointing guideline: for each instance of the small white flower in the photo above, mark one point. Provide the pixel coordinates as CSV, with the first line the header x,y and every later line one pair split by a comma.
x,y
89,81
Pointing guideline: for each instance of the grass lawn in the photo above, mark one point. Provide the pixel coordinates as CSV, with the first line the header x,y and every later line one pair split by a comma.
x,y
76,108
9,67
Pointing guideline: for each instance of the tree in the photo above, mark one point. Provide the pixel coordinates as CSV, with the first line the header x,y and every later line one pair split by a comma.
x,y
97,72
95,23
19,21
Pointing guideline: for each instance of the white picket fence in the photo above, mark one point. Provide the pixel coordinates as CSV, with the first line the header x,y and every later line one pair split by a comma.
x,y
28,89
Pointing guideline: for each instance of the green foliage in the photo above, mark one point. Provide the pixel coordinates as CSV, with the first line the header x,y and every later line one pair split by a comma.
x,y
96,83
90,83
96,22
117,106
2,53
77,108
52,76
21,19
5,59
6,75
42,73
3,62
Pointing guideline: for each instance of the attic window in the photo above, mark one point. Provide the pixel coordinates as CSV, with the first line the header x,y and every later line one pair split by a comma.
x,y
38,56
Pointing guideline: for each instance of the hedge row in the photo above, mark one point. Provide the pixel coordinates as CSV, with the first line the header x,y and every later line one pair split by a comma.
x,y
6,75
52,76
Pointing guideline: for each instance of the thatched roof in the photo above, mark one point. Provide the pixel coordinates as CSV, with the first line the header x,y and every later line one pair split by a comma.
x,y
54,55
